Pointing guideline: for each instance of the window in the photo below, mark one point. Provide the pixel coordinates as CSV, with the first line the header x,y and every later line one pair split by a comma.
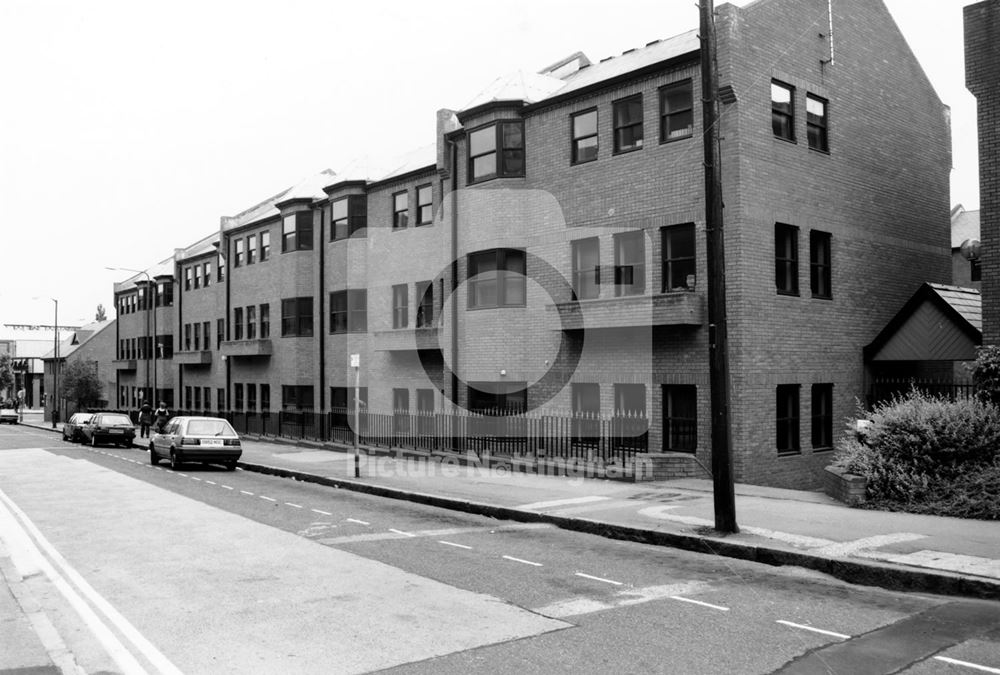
x,y
238,323
187,397
251,249
484,143
197,398
207,393
816,123
425,303
975,270
166,346
238,253
630,263
819,264
342,399
207,328
265,321
265,397
297,232
251,397
265,245
206,274
197,336
677,249
167,293
237,396
220,334
586,402
586,268
676,111
196,270
401,410
497,279
142,298
627,115
425,205
584,136
498,398
787,418
400,306
187,279
251,323
680,418
297,317
348,215
187,337
349,311
220,398
822,416
400,210
630,399
786,259
221,269
297,397
782,111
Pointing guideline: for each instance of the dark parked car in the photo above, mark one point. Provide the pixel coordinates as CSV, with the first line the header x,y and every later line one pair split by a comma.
x,y
73,429
196,439
109,428
8,415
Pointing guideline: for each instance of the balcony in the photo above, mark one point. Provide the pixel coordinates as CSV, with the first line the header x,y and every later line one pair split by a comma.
x,y
238,348
663,309
406,339
124,364
193,358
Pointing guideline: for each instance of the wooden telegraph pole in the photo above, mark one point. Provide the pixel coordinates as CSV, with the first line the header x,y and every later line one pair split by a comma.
x,y
718,345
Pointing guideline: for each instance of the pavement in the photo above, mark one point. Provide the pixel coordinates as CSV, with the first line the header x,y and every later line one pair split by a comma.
x,y
897,551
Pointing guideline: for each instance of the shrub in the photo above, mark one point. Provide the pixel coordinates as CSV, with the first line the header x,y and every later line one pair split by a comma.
x,y
986,374
928,455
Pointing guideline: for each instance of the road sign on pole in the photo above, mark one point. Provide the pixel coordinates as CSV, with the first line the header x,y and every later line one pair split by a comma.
x,y
356,364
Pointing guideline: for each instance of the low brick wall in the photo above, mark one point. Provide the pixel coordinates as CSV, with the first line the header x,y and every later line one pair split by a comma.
x,y
667,466
846,487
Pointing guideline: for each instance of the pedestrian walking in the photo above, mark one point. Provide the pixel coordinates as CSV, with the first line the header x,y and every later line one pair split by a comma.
x,y
145,419
162,414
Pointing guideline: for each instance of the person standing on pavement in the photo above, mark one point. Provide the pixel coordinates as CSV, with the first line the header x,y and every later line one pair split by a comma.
x,y
145,419
161,417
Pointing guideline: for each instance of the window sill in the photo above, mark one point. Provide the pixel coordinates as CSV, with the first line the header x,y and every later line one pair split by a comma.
x,y
582,161
627,151
790,453
477,309
486,179
788,294
821,450
820,151
790,141
822,297
664,141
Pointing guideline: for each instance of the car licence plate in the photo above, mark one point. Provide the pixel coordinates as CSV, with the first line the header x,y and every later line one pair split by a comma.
x,y
212,441
117,431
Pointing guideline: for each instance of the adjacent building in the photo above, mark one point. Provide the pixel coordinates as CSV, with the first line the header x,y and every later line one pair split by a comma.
x,y
545,255
92,345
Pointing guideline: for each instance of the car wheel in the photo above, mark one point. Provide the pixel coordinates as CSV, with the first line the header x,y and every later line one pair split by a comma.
x,y
231,465
65,439
93,441
154,459
175,460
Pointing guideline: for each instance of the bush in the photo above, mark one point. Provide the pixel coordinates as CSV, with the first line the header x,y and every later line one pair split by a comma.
x,y
986,374
928,455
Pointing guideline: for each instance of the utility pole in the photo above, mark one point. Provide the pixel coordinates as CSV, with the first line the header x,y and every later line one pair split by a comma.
x,y
718,343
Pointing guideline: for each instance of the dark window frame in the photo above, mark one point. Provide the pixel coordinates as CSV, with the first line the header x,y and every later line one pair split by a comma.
x,y
265,245
786,259
676,264
265,320
619,126
349,311
297,317
818,126
503,277
820,264
237,323
300,236
500,150
629,283
783,113
400,306
425,209
238,245
788,440
822,417
669,115
251,248
579,274
576,138
400,214
424,295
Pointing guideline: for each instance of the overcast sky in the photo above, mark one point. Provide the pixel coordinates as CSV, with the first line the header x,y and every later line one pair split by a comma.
x,y
128,127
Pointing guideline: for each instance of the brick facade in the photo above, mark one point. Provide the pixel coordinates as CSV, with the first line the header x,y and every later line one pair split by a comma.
x,y
879,193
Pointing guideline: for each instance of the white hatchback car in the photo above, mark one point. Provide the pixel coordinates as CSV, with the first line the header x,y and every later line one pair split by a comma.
x,y
210,440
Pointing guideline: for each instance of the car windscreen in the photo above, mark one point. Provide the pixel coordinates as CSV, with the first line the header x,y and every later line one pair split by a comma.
x,y
209,428
81,418
115,419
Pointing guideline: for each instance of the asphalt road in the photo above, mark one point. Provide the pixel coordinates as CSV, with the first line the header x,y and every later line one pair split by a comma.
x,y
205,570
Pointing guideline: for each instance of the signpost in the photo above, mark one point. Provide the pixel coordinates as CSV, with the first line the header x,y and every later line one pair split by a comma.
x,y
356,364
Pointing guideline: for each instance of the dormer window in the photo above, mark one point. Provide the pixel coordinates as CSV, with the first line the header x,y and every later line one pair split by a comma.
x,y
297,232
496,151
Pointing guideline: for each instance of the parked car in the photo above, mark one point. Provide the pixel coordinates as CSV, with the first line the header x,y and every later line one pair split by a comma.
x,y
196,439
73,429
8,415
109,428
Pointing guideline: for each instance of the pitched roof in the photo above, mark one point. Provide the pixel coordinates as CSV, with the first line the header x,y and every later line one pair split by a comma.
x,y
78,338
310,188
938,323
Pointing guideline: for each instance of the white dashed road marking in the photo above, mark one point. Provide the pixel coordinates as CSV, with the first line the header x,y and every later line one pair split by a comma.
x,y
359,522
451,543
632,596
524,562
975,666
405,534
323,513
815,630
606,581
561,502
246,493
268,498
699,602
294,506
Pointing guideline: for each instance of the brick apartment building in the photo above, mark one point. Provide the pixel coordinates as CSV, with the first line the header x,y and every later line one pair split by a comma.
x,y
982,78
547,251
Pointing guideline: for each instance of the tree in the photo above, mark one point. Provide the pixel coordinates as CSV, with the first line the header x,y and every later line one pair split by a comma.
x,y
6,373
101,314
79,382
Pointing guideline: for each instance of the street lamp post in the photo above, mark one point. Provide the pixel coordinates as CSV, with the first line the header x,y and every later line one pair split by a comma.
x,y
150,311
55,368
